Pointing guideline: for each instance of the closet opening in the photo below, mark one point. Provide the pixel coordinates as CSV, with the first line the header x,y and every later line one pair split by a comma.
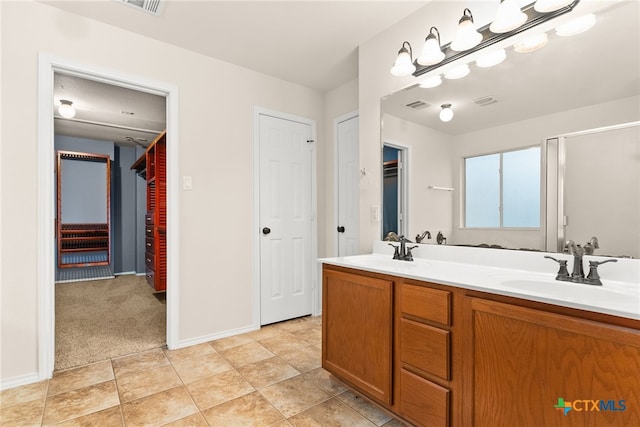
x,y
110,274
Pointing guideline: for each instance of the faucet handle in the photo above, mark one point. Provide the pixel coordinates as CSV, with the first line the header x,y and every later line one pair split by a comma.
x,y
563,273
396,251
593,278
409,255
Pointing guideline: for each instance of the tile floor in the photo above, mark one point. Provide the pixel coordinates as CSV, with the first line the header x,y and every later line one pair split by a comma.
x,y
270,377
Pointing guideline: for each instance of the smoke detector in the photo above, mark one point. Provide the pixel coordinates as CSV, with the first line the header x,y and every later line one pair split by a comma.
x,y
149,6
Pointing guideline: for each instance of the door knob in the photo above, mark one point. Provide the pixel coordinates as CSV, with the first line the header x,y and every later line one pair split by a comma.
x,y
266,231
341,229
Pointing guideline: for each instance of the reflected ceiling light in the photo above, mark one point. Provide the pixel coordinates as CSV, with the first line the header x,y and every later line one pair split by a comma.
x,y
404,62
66,109
446,114
457,73
532,43
491,59
431,82
467,36
508,18
577,26
432,51
544,6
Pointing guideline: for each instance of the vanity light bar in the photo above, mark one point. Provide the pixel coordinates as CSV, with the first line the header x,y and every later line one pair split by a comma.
x,y
489,38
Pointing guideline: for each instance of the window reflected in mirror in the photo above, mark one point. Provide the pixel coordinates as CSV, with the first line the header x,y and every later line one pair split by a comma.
x,y
502,190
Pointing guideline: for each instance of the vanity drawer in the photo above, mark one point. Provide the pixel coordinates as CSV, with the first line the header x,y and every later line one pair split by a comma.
x,y
425,347
422,402
426,303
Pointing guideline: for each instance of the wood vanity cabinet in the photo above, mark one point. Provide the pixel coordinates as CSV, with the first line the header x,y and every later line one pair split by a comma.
x,y
519,361
357,331
438,355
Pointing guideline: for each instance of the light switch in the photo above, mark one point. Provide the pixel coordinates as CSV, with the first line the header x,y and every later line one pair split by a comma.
x,y
187,183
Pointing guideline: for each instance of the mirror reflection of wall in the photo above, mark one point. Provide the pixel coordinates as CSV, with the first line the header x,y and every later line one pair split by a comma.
x,y
603,199
556,90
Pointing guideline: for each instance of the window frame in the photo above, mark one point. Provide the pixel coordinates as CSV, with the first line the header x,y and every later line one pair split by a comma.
x,y
463,195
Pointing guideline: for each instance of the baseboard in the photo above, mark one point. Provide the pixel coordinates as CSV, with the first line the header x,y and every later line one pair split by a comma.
x,y
19,381
127,273
216,336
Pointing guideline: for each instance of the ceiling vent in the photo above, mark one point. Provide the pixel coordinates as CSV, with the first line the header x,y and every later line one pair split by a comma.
x,y
149,6
417,105
485,100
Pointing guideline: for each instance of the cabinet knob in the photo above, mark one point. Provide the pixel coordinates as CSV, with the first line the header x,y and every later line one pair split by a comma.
x,y
266,231
341,229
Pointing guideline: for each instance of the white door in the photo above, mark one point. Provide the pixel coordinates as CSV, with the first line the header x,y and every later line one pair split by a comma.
x,y
348,186
285,219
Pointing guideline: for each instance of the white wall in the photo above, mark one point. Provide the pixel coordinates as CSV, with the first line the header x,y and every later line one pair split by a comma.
x,y
338,102
429,165
216,101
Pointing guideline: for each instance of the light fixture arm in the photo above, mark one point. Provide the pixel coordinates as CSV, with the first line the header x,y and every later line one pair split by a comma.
x,y
436,35
489,38
466,16
403,49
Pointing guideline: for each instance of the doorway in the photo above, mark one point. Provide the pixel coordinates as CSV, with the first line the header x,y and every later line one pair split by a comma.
x,y
394,189
284,149
48,66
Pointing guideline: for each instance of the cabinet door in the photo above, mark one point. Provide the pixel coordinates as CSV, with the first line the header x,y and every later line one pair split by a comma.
x,y
531,368
357,331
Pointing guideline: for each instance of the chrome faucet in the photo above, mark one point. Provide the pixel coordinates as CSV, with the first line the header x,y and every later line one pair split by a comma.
x,y
403,252
420,237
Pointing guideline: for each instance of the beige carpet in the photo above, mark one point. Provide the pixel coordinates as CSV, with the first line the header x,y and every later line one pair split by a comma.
x,y
101,319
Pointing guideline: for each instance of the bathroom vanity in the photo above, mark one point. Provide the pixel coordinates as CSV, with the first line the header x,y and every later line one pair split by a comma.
x,y
465,336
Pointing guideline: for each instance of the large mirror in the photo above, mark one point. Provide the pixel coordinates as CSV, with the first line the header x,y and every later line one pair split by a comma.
x,y
507,112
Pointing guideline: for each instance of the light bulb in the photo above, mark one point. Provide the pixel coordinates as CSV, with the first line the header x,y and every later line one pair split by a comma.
x,y
577,26
467,36
508,18
491,59
66,109
544,6
431,82
446,114
404,63
532,43
457,73
432,51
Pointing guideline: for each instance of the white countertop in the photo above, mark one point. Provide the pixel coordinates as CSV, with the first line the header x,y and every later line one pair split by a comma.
x,y
520,274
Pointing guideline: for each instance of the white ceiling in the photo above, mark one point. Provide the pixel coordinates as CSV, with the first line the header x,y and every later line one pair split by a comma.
x,y
312,43
108,113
